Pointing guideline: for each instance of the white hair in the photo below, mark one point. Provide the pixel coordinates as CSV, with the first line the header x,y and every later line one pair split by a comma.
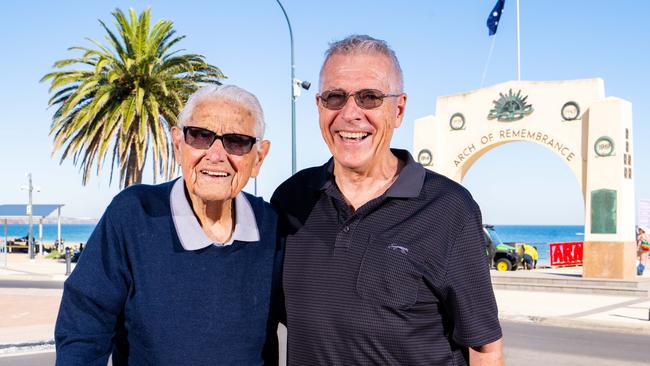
x,y
230,93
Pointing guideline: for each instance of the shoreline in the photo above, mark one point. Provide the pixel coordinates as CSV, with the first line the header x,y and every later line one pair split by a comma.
x,y
47,244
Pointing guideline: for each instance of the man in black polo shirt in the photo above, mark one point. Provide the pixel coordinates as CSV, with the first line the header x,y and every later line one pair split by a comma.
x,y
385,261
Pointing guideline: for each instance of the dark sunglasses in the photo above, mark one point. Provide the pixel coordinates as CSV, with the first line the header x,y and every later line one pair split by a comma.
x,y
233,143
365,98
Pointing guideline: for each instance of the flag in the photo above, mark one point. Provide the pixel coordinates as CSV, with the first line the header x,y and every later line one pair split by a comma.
x,y
495,15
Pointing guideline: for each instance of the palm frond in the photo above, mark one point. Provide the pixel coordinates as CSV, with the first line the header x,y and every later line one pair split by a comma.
x,y
124,98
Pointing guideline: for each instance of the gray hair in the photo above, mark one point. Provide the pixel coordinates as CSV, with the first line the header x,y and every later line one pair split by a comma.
x,y
230,93
363,44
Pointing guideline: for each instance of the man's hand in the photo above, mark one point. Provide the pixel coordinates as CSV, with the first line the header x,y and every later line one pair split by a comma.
x,y
490,354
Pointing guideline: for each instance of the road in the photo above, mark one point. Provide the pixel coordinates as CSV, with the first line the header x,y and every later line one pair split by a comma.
x,y
536,345
526,344
31,284
43,359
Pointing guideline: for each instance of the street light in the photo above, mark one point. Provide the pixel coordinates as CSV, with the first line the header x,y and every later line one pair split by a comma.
x,y
295,93
30,237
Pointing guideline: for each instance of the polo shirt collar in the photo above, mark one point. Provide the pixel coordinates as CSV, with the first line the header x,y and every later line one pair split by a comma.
x,y
410,180
407,185
190,233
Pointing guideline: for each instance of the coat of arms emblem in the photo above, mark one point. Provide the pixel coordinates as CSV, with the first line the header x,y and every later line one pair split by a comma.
x,y
510,107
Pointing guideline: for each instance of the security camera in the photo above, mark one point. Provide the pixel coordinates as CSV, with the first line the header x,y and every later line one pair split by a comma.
x,y
297,84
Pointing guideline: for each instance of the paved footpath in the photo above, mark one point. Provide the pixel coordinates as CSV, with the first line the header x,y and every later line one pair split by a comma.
x,y
29,311
605,312
30,315
589,311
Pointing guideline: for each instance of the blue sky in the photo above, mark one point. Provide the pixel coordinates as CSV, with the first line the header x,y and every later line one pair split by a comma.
x,y
442,47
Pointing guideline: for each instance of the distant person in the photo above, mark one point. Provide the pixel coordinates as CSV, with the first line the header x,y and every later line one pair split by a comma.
x,y
529,256
77,253
182,273
643,248
385,260
490,251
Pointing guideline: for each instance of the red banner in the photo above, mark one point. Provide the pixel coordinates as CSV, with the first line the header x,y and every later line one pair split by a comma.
x,y
566,254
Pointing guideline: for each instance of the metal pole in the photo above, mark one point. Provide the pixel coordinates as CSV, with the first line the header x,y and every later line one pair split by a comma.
x,y
40,235
5,244
518,46
68,262
30,234
293,95
59,245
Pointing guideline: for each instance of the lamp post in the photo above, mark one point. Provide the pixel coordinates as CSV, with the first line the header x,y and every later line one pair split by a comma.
x,y
295,93
30,236
30,232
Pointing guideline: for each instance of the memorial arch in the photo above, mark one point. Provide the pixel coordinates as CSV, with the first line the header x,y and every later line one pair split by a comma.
x,y
573,119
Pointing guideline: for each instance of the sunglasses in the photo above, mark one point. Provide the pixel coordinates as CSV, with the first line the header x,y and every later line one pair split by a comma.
x,y
365,98
233,143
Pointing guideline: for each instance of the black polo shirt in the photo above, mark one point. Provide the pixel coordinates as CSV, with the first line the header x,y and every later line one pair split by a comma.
x,y
403,280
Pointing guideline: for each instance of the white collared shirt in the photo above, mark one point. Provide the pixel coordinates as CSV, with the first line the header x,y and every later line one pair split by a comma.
x,y
189,230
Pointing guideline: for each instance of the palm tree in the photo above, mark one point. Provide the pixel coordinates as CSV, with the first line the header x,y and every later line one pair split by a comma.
x,y
125,99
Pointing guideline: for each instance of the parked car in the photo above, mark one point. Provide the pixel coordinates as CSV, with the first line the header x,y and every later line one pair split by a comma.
x,y
500,255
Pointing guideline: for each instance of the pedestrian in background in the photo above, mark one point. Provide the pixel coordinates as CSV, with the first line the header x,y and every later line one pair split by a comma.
x,y
529,256
643,248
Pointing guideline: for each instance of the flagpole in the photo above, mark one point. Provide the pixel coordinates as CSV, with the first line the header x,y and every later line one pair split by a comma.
x,y
487,62
518,47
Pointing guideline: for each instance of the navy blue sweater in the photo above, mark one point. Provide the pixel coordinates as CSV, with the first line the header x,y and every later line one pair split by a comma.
x,y
136,293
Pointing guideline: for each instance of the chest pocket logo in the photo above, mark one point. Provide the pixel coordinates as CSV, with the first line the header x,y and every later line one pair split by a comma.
x,y
401,249
387,276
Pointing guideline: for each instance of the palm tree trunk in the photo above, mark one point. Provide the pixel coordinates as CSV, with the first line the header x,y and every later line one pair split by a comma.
x,y
133,169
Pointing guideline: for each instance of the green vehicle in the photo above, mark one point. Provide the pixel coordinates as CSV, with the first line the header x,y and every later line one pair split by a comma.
x,y
502,256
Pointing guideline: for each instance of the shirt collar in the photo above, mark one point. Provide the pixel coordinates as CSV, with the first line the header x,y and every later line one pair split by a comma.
x,y
189,230
407,185
410,180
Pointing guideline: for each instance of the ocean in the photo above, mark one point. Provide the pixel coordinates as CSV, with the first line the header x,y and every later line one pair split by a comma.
x,y
70,233
538,235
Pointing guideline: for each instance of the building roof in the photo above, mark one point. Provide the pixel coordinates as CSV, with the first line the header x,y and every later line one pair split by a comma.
x,y
21,210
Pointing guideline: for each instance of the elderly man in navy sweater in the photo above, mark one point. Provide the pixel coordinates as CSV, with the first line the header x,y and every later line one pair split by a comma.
x,y
182,273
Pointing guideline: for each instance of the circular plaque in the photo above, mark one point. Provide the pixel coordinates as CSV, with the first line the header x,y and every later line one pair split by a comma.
x,y
425,158
570,111
457,121
604,146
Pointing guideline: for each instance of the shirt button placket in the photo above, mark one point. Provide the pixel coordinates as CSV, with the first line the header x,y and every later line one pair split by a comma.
x,y
344,237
